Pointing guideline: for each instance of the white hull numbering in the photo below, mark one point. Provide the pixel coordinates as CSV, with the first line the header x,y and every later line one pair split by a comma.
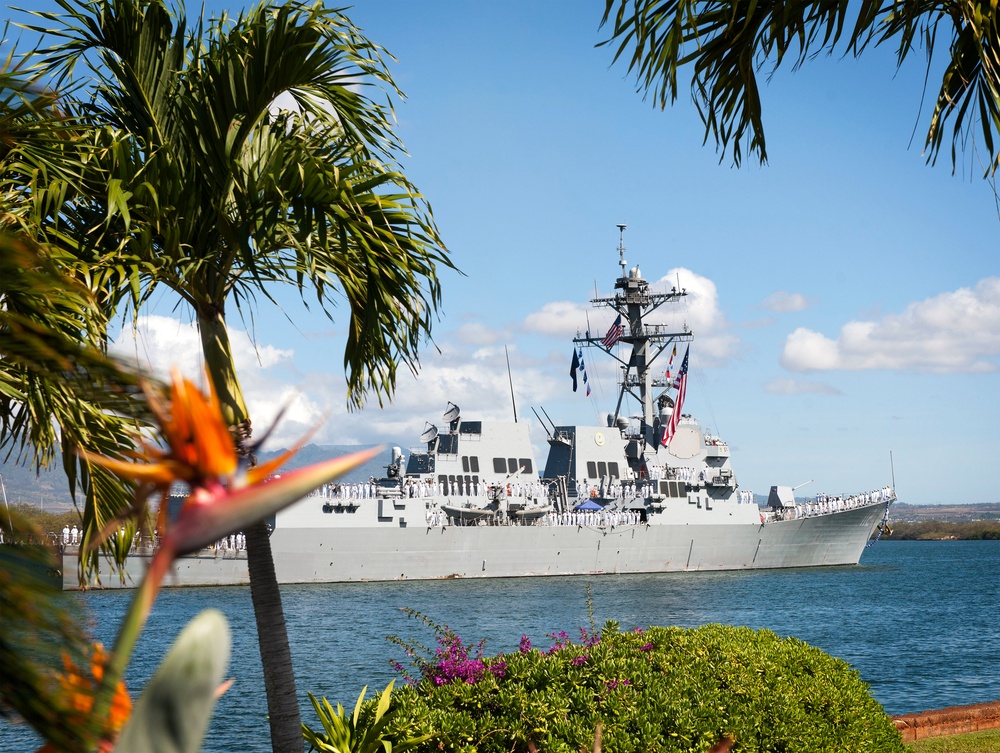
x,y
649,492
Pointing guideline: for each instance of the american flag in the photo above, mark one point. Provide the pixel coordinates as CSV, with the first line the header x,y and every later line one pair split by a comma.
x,y
675,417
614,333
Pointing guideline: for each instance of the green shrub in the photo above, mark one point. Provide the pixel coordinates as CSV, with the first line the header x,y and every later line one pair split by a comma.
x,y
362,732
662,689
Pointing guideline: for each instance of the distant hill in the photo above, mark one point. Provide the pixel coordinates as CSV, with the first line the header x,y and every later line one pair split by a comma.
x,y
50,489
948,513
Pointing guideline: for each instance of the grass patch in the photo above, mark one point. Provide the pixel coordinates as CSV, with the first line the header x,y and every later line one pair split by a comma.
x,y
987,741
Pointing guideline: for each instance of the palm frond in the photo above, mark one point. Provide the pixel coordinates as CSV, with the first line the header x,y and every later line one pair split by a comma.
x,y
211,192
57,386
727,44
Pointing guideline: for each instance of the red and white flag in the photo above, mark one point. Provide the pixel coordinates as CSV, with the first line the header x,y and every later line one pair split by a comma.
x,y
670,363
675,417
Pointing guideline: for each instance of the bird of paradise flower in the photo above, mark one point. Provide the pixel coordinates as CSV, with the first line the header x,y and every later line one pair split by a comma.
x,y
222,498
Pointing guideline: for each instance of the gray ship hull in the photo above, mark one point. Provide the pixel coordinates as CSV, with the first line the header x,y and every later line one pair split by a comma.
x,y
345,554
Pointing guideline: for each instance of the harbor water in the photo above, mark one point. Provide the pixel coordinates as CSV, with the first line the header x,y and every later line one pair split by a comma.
x,y
918,620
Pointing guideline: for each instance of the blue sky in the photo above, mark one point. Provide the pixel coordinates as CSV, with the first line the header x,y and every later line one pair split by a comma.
x,y
845,297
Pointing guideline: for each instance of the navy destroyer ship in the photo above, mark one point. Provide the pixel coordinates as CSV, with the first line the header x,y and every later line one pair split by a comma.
x,y
646,492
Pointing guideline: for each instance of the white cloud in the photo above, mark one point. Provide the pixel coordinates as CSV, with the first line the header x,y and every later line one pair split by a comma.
x,y
698,311
800,387
782,302
477,334
161,343
474,379
470,371
952,333
561,319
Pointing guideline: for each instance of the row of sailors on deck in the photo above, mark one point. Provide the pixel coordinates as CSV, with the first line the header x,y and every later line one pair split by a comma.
x,y
613,489
682,473
612,517
603,518
367,490
459,488
74,535
605,489
884,494
235,542
419,488
826,504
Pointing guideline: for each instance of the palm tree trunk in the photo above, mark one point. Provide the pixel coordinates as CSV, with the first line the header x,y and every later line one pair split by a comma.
x,y
272,634
221,367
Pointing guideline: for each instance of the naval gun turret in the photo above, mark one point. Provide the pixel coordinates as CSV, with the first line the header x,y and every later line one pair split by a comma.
x,y
781,497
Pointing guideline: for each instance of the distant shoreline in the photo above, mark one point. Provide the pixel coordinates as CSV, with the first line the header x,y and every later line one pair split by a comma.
x,y
943,530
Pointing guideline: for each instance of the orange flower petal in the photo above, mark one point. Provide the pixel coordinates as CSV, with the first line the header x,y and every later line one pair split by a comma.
x,y
198,435
78,691
213,442
157,474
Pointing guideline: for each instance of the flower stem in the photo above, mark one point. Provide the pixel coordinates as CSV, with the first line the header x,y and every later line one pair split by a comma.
x,y
128,632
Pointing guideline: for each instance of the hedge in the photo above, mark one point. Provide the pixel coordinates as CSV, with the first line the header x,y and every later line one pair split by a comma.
x,y
663,689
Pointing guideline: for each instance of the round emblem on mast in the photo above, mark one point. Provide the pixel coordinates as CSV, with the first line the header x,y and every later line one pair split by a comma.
x,y
599,439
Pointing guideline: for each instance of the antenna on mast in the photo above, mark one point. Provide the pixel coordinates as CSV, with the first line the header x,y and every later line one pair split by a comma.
x,y
511,379
542,422
621,246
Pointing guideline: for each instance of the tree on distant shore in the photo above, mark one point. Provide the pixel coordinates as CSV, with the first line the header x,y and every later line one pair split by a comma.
x,y
727,43
940,530
50,523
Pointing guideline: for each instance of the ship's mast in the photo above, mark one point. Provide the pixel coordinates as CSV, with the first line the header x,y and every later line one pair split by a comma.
x,y
634,301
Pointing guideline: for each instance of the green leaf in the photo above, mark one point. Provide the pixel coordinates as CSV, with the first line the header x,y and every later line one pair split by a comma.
x,y
173,712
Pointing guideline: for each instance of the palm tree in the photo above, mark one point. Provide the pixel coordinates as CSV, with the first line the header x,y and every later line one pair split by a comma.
x,y
729,43
199,184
